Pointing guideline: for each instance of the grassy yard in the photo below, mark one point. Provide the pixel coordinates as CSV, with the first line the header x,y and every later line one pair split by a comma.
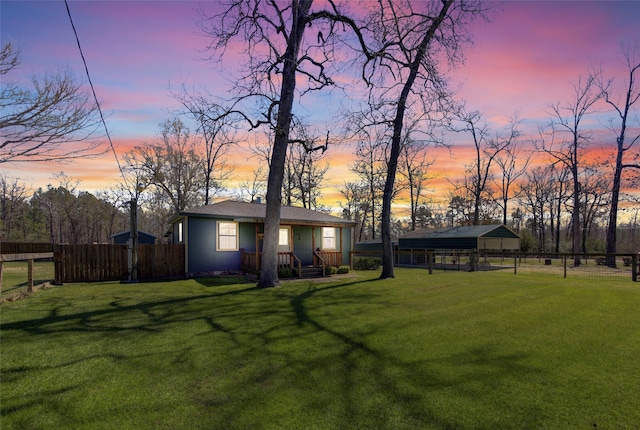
x,y
14,276
486,350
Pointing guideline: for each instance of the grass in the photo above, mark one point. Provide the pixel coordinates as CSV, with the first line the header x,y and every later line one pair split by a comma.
x,y
457,350
15,278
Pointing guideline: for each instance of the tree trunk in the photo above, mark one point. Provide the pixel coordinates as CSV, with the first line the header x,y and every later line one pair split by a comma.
x,y
398,122
269,262
612,227
575,218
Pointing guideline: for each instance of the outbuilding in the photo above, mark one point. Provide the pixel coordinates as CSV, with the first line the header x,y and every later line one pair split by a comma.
x,y
410,248
490,237
123,237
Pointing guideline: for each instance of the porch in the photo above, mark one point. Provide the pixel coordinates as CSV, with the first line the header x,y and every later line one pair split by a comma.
x,y
250,262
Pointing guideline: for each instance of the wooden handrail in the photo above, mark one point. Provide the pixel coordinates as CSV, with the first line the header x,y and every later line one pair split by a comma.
x,y
317,255
295,258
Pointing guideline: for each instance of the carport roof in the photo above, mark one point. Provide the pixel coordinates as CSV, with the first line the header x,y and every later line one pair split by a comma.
x,y
465,231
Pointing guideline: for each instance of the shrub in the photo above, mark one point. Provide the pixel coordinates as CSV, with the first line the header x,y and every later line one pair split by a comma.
x,y
366,263
285,273
330,270
343,270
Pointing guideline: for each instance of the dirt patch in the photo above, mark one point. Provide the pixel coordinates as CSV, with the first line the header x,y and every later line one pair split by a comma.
x,y
23,294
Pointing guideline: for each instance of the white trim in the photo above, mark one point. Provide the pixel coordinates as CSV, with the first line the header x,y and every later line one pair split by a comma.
x,y
237,236
333,238
288,246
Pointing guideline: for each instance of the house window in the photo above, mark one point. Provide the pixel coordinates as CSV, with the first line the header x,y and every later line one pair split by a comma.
x,y
283,238
180,238
328,238
227,236
284,241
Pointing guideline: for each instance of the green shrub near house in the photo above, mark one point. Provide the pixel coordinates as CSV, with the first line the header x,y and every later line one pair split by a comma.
x,y
342,270
285,273
330,270
366,263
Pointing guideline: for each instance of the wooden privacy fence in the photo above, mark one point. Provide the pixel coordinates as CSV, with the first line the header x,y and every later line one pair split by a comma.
x,y
90,263
160,261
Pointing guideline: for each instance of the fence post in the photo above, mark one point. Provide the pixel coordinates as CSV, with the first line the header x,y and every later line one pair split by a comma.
x,y
57,264
515,264
30,276
564,258
430,258
634,267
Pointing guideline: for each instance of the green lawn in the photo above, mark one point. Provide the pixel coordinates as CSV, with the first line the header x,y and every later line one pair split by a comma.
x,y
15,276
485,350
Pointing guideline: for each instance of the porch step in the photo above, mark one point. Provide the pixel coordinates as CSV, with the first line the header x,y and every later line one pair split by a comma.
x,y
311,272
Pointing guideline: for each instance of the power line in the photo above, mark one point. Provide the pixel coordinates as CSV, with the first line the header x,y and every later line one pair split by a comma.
x,y
95,97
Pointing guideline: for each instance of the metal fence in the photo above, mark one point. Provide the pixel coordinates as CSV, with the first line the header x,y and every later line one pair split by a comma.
x,y
590,265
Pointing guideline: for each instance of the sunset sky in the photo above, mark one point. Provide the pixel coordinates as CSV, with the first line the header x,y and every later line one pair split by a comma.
x,y
524,60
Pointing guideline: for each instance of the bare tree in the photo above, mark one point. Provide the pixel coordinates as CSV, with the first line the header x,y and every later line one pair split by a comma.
x,y
625,159
307,176
487,149
560,189
404,74
13,200
256,187
460,209
536,197
414,174
513,164
569,151
595,200
53,121
277,52
371,167
356,208
218,134
171,165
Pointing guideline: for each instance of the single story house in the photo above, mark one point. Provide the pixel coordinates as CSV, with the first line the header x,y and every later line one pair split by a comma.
x,y
228,236
123,237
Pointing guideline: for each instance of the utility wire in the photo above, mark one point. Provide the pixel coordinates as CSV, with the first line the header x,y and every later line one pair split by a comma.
x,y
94,94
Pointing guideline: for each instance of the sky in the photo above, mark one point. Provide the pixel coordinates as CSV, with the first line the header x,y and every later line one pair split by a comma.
x,y
522,61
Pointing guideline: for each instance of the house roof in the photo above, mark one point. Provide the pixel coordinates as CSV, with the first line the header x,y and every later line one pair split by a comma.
x,y
465,231
129,232
244,211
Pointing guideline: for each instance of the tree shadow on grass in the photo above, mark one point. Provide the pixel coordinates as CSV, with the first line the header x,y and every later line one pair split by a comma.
x,y
86,320
410,388
284,343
